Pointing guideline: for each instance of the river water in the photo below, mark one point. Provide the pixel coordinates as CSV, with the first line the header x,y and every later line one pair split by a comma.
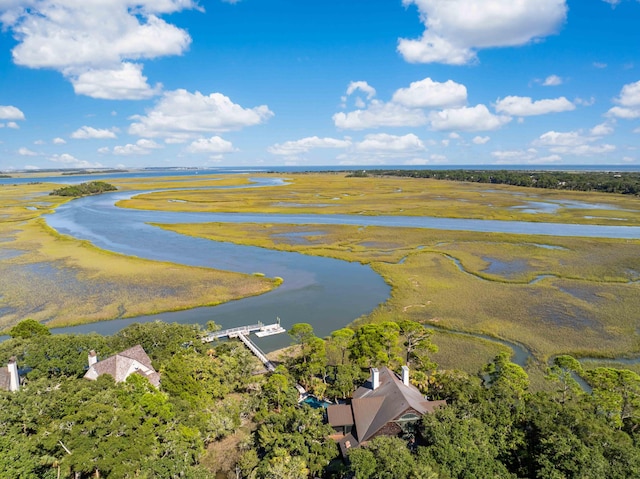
x,y
324,292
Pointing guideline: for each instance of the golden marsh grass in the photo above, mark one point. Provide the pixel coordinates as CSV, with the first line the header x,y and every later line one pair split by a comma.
x,y
553,295
333,193
62,281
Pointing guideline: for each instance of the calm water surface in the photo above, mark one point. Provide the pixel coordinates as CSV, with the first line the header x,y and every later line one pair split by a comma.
x,y
324,292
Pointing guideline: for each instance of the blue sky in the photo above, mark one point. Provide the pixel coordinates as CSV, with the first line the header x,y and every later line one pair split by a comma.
x,y
125,83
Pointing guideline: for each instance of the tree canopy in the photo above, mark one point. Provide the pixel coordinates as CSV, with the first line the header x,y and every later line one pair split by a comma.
x,y
494,426
84,189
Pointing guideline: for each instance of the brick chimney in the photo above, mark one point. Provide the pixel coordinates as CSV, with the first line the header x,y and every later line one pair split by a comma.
x,y
405,375
375,378
93,358
14,377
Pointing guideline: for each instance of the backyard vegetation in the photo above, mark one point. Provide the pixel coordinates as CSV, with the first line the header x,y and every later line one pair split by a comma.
x,y
213,417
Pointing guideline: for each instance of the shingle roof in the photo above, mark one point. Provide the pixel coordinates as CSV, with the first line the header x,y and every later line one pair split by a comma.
x,y
340,415
120,366
374,408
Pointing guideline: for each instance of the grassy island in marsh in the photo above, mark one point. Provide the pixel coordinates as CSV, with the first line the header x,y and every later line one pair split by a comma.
x,y
553,295
62,281
334,193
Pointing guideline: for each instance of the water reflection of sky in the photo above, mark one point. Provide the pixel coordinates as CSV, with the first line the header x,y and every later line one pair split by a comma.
x,y
324,292
550,207
298,237
507,269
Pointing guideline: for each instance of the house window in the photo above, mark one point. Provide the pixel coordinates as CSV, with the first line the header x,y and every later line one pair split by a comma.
x,y
409,417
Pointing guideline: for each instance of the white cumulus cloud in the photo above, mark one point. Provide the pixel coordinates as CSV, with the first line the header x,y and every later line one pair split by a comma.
x,y
297,147
180,115
125,82
71,161
363,86
26,152
92,40
390,143
456,29
8,112
59,141
90,133
515,156
481,140
603,129
213,145
524,106
573,143
557,138
380,114
141,147
431,94
477,118
552,80
629,101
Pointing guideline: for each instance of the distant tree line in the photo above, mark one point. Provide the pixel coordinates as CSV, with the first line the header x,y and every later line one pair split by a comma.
x,y
605,182
84,189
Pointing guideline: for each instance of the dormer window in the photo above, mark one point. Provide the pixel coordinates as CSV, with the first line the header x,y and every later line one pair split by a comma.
x,y
410,416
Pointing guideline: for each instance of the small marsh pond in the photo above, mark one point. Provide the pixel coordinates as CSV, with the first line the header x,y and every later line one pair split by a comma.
x,y
324,292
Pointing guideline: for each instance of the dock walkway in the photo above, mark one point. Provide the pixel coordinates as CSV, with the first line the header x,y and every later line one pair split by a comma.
x,y
260,329
243,332
257,351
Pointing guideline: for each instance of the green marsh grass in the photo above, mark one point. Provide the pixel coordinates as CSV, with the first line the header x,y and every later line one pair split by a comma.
x,y
61,281
565,295
463,352
553,295
333,193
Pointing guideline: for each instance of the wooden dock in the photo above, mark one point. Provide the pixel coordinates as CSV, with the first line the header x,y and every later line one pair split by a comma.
x,y
259,329
243,332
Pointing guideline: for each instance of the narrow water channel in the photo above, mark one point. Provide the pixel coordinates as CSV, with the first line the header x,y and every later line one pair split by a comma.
x,y
324,292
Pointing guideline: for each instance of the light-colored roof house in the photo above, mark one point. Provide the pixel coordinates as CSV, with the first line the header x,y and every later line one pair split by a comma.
x,y
132,361
380,407
9,377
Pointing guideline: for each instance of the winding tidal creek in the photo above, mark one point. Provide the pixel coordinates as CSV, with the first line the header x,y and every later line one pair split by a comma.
x,y
325,292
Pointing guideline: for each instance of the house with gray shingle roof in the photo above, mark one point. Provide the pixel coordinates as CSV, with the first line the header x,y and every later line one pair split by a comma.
x,y
132,361
382,406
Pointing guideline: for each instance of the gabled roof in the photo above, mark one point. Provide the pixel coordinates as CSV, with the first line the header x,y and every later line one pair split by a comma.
x,y
122,365
374,408
340,415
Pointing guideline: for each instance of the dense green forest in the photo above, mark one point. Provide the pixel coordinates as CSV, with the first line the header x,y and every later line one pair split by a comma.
x,y
60,425
84,189
605,182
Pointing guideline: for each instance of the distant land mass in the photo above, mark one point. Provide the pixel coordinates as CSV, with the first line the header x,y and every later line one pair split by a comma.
x,y
627,183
